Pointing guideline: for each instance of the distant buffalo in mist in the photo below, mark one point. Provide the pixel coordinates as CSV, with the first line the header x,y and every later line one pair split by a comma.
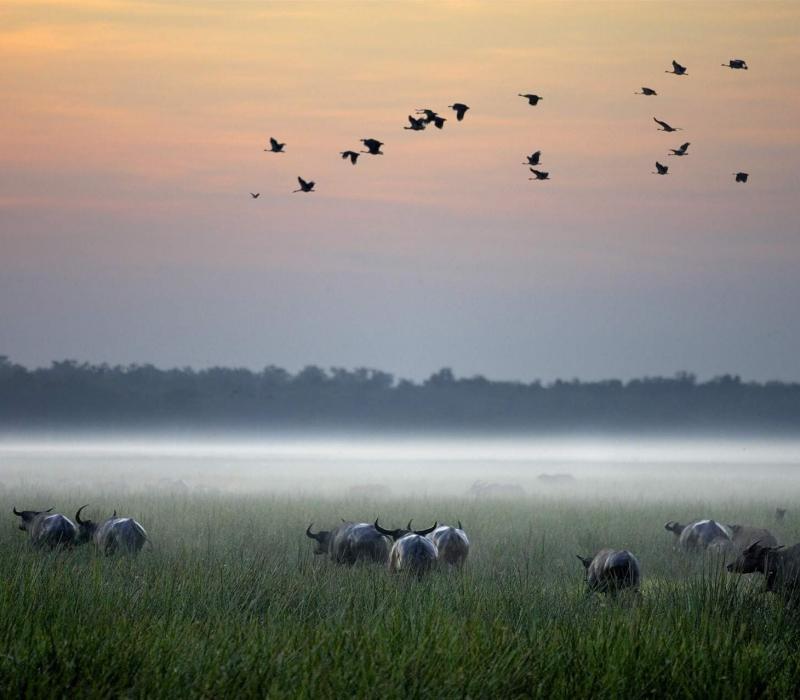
x,y
412,552
744,535
484,489
780,514
115,534
47,529
780,566
349,543
556,479
701,535
611,570
452,544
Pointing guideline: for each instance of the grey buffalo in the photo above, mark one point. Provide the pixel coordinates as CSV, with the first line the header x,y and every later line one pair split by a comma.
x,y
452,544
47,529
412,551
780,566
744,535
113,535
611,570
700,534
351,542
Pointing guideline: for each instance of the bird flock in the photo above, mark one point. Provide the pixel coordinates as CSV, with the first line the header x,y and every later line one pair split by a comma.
x,y
427,117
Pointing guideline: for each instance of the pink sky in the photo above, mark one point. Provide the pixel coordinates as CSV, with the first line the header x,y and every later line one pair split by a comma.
x,y
133,132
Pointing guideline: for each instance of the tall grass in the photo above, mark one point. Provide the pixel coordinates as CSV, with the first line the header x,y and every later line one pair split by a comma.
x,y
230,600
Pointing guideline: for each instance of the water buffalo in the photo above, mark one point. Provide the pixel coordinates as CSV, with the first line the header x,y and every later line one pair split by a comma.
x,y
611,570
452,544
351,542
744,535
412,551
780,514
780,566
113,535
699,534
47,530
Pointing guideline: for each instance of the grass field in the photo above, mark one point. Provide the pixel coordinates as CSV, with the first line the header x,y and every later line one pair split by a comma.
x,y
230,600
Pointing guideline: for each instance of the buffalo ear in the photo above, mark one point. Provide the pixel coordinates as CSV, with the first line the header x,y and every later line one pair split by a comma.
x,y
459,525
584,560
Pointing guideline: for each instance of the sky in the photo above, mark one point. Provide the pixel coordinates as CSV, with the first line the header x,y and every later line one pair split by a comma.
x,y
133,132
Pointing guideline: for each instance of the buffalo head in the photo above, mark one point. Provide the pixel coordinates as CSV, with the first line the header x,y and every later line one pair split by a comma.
x,y
86,528
27,516
400,532
321,538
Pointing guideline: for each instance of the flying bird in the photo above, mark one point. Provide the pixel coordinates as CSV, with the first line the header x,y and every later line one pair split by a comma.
x,y
539,175
646,91
533,158
679,151
741,177
533,100
304,186
677,69
660,169
438,121
416,124
255,195
736,64
665,126
352,155
430,115
460,109
373,147
275,147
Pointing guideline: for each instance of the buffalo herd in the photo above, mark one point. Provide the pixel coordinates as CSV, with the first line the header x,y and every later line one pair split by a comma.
x,y
416,552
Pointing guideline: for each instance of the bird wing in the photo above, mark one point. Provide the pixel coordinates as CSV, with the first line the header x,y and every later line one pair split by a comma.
x,y
658,121
684,146
310,185
273,142
676,66
302,182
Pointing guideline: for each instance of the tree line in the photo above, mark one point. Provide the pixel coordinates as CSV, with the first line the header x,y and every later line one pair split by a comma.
x,y
69,394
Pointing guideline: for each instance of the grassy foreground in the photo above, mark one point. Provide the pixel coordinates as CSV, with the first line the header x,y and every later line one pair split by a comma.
x,y
231,600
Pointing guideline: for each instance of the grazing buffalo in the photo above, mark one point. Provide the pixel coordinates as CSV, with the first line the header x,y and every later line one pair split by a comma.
x,y
412,551
744,535
700,534
780,566
351,542
611,570
113,535
46,529
452,544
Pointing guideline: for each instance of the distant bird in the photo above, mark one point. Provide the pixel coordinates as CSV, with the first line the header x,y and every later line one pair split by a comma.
x,y
679,151
533,158
660,169
665,126
255,195
533,100
741,177
539,175
646,91
460,109
430,115
275,147
438,121
416,124
304,186
677,69
352,155
736,64
373,147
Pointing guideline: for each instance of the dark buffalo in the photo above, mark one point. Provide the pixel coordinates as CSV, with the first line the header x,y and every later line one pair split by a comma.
x,y
412,551
780,566
46,529
611,570
351,542
113,535
452,544
744,535
700,534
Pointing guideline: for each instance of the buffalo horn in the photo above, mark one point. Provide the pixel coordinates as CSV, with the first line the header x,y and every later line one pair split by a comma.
x,y
16,512
425,532
78,515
